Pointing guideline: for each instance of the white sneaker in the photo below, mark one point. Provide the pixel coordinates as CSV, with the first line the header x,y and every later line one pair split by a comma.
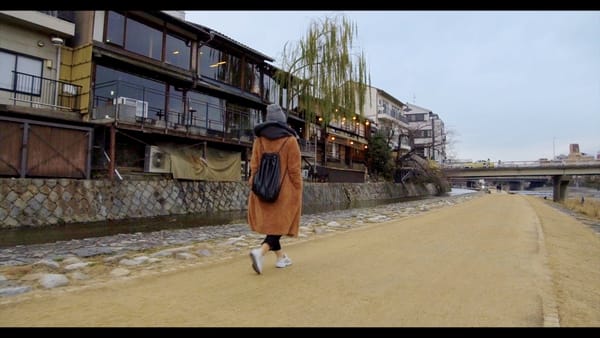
x,y
283,262
257,260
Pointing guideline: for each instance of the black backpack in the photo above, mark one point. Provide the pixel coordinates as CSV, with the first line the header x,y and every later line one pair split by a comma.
x,y
266,184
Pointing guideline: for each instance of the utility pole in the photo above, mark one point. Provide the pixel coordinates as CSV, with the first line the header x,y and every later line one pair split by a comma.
x,y
553,149
432,156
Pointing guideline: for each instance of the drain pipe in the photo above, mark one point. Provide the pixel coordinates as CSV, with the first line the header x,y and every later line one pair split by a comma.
x,y
58,42
211,36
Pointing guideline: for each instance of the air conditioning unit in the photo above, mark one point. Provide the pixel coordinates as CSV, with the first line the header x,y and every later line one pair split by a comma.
x,y
156,160
129,108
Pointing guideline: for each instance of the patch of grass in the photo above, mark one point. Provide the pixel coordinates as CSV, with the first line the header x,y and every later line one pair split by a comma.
x,y
590,207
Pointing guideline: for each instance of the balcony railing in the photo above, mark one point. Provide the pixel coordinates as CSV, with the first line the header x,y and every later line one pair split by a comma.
x,y
307,148
131,103
39,92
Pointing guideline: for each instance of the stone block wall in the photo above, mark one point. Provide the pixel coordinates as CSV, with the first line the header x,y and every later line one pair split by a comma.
x,y
44,202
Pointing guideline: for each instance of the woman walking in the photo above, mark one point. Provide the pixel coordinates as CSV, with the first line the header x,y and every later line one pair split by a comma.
x,y
281,217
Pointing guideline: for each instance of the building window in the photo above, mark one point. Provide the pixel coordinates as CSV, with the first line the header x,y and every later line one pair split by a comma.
x,y
143,39
220,66
208,111
25,70
333,151
147,41
271,89
176,113
416,117
396,112
177,52
423,134
115,28
112,84
386,108
252,84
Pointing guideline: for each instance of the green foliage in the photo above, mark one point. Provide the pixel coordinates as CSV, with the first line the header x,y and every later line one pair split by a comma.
x,y
325,72
379,156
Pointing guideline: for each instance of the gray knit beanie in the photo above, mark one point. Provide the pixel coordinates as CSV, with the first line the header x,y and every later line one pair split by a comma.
x,y
275,113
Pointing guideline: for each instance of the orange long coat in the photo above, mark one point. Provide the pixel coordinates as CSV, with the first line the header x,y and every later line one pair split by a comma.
x,y
281,217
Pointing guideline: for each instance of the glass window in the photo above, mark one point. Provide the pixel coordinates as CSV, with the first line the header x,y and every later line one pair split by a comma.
x,y
29,73
270,92
178,52
333,150
209,58
143,40
176,113
232,71
215,110
283,97
218,65
241,120
386,108
7,66
115,29
29,79
114,83
208,111
252,84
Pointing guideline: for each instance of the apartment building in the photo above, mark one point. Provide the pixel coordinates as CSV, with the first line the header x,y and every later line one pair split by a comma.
x,y
39,104
427,131
388,114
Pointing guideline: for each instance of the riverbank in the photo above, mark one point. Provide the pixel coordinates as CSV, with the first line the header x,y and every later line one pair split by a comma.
x,y
581,202
494,260
84,262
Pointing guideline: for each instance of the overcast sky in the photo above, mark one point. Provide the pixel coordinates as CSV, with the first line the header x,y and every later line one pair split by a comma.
x,y
509,85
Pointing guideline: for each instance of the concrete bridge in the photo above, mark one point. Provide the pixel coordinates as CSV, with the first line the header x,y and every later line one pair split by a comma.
x,y
559,171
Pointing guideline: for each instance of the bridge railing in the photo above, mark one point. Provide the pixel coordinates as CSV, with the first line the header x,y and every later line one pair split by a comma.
x,y
523,164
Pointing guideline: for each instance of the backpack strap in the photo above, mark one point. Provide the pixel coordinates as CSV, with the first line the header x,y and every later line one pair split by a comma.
x,y
262,149
286,167
287,138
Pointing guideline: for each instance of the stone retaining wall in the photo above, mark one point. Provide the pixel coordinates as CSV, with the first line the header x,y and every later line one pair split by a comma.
x,y
42,202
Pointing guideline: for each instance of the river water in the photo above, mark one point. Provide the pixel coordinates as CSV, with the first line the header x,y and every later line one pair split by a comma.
x,y
572,192
48,234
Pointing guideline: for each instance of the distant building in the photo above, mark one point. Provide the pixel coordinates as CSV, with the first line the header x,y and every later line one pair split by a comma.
x,y
388,113
575,155
428,132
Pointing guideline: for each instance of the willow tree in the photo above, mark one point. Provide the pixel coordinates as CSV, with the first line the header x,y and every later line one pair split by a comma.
x,y
324,71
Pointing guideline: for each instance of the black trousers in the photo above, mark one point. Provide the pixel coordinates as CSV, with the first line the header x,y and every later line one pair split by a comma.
x,y
273,242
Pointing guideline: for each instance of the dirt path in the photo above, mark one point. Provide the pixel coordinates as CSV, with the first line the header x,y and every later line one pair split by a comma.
x,y
485,262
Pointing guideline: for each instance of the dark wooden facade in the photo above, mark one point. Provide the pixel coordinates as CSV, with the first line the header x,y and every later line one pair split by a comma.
x,y
41,149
